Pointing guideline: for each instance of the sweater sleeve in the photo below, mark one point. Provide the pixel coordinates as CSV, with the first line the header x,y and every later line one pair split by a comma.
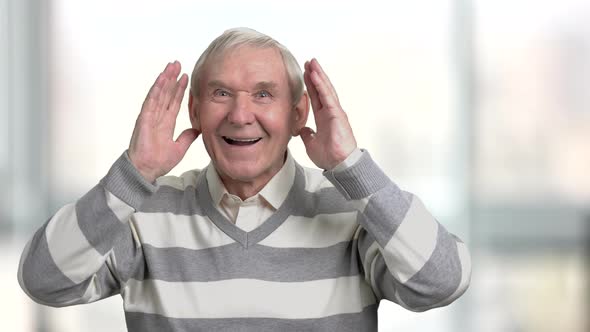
x,y
407,256
88,249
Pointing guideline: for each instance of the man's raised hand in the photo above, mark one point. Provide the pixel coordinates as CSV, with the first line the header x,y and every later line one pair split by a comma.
x,y
153,150
334,140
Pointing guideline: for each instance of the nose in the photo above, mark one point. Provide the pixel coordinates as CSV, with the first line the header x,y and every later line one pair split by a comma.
x,y
240,113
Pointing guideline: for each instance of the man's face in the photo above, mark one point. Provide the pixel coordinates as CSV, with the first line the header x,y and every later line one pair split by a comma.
x,y
246,114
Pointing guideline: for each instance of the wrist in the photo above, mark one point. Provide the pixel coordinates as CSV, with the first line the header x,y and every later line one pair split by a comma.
x,y
350,160
339,158
361,180
148,174
124,181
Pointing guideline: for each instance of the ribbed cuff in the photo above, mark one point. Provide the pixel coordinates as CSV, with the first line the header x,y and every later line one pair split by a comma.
x,y
354,156
124,181
360,180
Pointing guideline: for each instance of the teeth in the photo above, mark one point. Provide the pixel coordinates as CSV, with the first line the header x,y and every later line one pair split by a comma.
x,y
241,141
244,139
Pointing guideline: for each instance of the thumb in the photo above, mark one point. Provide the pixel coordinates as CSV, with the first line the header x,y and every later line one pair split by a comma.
x,y
186,138
307,136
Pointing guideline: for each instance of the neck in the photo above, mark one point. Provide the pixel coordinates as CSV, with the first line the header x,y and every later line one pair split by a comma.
x,y
245,189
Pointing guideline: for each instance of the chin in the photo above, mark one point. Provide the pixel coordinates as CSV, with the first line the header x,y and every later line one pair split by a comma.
x,y
241,171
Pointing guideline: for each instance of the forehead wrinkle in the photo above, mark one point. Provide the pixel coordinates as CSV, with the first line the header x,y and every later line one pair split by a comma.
x,y
269,85
247,72
216,84
262,85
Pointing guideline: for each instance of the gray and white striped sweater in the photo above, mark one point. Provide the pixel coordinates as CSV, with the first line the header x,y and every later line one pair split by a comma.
x,y
339,244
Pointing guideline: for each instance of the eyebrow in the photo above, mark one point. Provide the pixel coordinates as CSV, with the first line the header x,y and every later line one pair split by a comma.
x,y
216,84
263,85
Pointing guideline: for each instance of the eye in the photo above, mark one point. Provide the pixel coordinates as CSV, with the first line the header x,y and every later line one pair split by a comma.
x,y
262,94
220,93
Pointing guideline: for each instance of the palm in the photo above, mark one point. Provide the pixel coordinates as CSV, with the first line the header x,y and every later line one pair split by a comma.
x,y
152,149
334,140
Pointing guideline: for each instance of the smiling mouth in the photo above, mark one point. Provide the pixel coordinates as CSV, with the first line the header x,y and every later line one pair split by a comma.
x,y
241,141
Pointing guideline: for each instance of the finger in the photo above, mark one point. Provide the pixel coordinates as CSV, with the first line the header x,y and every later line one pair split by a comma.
x,y
178,96
325,94
169,90
313,92
308,65
328,95
163,87
172,69
315,66
307,135
151,101
175,69
185,139
313,96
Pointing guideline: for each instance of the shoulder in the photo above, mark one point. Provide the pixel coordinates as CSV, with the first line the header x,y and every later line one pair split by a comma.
x,y
314,179
182,182
175,195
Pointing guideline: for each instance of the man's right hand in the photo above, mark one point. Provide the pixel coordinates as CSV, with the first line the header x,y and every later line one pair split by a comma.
x,y
153,150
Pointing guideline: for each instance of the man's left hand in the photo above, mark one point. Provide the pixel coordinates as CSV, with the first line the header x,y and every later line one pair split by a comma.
x,y
334,141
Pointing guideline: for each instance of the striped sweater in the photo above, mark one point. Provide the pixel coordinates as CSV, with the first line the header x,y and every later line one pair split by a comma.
x,y
339,243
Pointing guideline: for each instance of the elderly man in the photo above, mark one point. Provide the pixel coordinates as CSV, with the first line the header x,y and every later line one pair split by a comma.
x,y
253,242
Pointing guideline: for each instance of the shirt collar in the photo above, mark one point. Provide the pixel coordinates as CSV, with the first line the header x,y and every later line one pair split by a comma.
x,y
274,192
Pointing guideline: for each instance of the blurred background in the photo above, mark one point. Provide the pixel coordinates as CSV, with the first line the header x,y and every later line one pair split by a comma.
x,y
481,107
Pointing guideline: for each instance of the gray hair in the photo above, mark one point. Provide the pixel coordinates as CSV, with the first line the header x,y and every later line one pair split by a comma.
x,y
233,38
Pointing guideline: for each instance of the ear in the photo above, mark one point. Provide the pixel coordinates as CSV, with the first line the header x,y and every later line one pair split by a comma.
x,y
300,113
193,111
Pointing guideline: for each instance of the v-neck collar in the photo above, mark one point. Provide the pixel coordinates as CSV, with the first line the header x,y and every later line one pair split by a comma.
x,y
267,227
274,192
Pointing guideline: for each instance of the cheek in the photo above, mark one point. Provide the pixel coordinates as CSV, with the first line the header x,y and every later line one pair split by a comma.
x,y
211,119
276,123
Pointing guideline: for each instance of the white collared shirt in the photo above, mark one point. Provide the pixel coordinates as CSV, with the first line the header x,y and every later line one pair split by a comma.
x,y
252,212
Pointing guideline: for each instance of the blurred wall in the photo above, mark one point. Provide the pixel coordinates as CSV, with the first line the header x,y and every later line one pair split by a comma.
x,y
479,107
